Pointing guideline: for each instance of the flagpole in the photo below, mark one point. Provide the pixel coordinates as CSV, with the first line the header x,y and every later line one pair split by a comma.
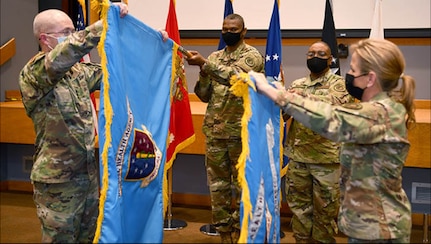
x,y
180,116
172,224
87,14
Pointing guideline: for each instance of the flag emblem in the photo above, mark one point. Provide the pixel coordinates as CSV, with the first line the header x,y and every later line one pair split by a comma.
x,y
145,158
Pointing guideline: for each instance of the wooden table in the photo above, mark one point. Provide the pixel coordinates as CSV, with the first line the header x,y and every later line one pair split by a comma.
x,y
17,128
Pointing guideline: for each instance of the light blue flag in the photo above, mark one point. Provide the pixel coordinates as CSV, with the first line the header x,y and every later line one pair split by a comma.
x,y
259,166
134,122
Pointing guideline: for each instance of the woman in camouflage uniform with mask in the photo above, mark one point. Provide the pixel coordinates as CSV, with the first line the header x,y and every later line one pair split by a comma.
x,y
374,207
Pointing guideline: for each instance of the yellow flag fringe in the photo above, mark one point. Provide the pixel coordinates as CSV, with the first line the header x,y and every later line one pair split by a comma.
x,y
240,84
104,6
185,143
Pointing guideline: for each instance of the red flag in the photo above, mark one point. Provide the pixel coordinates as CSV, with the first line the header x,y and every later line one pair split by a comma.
x,y
181,132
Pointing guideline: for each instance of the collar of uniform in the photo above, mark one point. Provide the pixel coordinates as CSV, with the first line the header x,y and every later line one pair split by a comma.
x,y
380,96
235,53
321,80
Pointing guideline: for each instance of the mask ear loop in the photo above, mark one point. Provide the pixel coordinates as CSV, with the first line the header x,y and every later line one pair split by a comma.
x,y
44,39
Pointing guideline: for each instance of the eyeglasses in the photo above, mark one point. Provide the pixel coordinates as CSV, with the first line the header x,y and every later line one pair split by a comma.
x,y
66,32
321,54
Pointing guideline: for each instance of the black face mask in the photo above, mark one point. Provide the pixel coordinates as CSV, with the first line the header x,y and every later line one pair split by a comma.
x,y
231,39
354,91
317,65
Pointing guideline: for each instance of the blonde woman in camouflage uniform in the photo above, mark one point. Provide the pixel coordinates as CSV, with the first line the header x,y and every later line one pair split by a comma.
x,y
312,188
55,89
222,122
374,207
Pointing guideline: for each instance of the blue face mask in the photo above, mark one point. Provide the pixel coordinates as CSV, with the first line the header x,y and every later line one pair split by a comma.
x,y
61,39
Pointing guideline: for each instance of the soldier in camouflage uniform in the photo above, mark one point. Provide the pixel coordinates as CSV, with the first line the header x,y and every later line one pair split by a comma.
x,y
222,122
55,91
374,207
312,188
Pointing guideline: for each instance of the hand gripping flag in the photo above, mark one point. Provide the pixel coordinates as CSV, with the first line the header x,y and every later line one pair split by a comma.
x,y
228,9
138,72
258,165
329,36
181,132
273,58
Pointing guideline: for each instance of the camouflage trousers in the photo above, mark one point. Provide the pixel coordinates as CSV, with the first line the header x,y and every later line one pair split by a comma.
x,y
221,159
67,211
312,192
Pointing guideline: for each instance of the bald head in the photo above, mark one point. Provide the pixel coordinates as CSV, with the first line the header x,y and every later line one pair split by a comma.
x,y
51,20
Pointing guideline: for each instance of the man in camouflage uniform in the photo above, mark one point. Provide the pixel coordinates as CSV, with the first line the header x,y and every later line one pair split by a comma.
x,y
55,89
312,188
222,123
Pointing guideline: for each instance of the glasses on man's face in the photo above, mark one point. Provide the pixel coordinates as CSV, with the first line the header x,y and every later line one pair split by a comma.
x,y
66,32
320,54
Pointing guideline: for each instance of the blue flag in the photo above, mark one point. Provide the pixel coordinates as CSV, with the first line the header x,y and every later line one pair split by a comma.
x,y
273,55
259,165
133,123
228,9
273,61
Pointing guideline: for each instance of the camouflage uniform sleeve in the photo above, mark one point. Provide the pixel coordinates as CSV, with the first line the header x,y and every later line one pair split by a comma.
x,y
59,60
41,74
249,60
203,87
354,122
337,93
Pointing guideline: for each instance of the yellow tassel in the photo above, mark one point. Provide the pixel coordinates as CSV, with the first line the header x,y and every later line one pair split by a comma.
x,y
240,84
108,114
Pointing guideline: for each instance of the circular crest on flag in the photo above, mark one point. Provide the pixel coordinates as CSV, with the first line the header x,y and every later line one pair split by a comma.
x,y
145,158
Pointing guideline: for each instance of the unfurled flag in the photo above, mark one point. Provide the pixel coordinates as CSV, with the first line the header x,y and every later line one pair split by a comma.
x,y
181,132
377,31
330,37
259,165
273,58
228,9
138,72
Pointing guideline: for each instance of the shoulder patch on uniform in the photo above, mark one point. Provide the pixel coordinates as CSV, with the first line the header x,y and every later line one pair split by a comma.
x,y
339,88
355,106
249,61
